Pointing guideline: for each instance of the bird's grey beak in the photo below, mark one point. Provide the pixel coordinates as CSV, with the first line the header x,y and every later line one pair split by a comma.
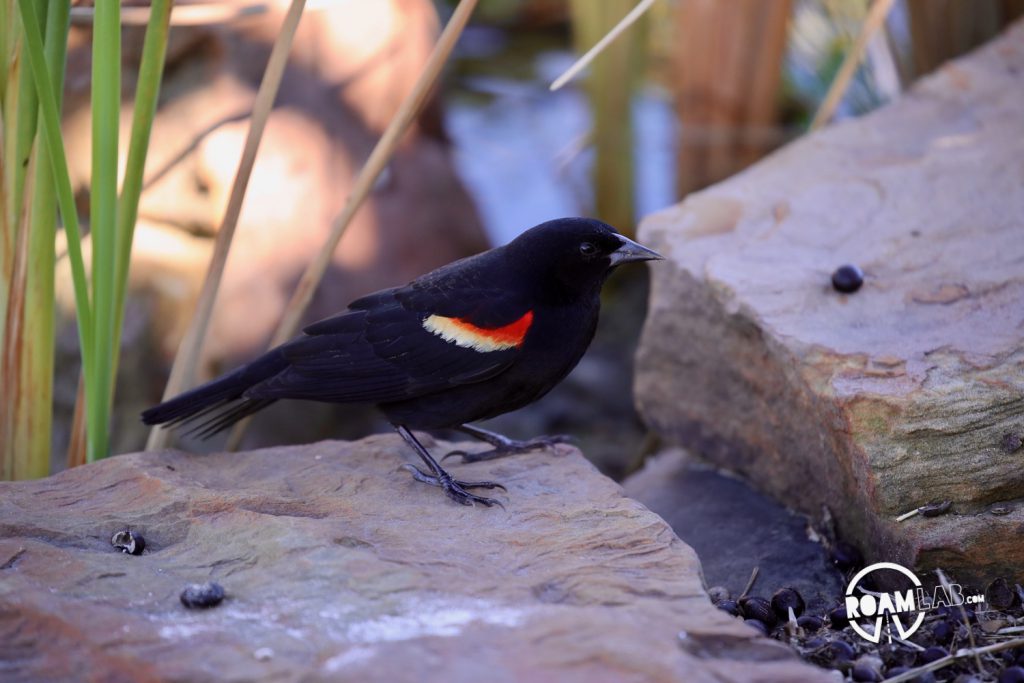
x,y
631,251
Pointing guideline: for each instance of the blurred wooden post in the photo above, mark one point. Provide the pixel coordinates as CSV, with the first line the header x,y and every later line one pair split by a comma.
x,y
727,67
610,84
943,29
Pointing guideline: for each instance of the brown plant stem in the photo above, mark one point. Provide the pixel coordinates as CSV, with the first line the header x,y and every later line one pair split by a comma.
x,y
876,17
950,659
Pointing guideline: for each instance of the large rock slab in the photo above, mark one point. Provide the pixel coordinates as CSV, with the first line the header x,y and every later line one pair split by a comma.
x,y
338,566
910,390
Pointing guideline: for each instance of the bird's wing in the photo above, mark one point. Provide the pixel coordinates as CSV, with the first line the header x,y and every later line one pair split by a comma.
x,y
402,343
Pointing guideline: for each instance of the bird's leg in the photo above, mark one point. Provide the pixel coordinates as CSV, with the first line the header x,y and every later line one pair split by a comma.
x,y
453,488
503,445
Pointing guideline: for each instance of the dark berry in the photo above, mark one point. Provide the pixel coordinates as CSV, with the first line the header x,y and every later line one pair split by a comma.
x,y
931,654
729,606
838,618
841,651
810,623
865,672
999,595
202,595
758,608
758,624
847,279
943,632
815,643
784,599
1013,674
926,677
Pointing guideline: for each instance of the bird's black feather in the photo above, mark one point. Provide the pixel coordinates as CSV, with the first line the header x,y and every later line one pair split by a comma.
x,y
522,315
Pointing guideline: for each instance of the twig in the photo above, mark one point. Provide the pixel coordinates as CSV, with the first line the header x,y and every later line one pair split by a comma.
x,y
930,510
750,583
949,659
963,615
192,146
365,181
876,17
908,515
792,628
1009,629
183,370
910,644
616,31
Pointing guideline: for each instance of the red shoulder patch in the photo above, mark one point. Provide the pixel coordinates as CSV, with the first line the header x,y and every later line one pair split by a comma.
x,y
463,333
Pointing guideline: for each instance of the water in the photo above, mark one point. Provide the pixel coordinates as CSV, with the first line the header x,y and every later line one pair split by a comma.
x,y
523,151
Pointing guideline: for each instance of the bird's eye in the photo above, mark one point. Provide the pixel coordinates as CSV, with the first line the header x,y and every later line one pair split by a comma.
x,y
588,249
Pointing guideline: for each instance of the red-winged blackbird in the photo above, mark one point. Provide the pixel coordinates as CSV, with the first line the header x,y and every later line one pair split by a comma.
x,y
468,341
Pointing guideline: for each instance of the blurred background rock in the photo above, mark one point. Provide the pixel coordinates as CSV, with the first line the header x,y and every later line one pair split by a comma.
x,y
693,93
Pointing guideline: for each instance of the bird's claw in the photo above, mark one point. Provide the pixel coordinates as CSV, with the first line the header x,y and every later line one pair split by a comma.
x,y
452,454
455,489
511,448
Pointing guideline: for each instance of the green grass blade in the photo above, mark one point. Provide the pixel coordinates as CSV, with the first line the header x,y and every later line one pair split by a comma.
x,y
50,119
25,133
33,394
10,63
7,25
9,226
151,68
106,111
19,132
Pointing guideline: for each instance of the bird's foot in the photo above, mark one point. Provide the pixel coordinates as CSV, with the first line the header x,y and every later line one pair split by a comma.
x,y
510,447
455,489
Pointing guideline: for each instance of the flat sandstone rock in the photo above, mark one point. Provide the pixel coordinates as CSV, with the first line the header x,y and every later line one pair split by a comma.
x,y
338,566
908,391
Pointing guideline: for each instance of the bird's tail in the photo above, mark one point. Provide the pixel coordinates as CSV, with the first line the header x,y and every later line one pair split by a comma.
x,y
221,402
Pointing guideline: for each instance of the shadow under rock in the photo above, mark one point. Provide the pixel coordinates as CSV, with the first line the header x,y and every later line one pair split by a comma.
x,y
734,529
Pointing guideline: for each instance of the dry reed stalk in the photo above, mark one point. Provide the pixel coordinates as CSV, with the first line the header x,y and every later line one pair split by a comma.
x,y
599,47
874,21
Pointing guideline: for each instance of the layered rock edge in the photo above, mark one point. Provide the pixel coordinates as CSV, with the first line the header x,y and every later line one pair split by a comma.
x,y
910,390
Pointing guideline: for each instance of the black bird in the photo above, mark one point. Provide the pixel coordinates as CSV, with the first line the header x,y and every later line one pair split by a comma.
x,y
471,340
